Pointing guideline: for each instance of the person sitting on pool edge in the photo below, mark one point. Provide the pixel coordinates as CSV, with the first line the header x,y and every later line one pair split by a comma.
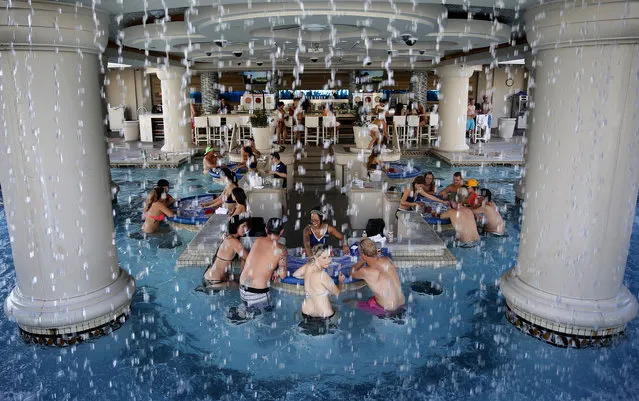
x,y
381,277
452,188
216,274
463,219
266,261
241,207
318,285
316,233
226,197
249,161
156,208
210,160
490,219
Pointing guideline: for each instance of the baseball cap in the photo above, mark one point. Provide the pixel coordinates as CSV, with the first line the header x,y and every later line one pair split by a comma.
x,y
274,225
471,182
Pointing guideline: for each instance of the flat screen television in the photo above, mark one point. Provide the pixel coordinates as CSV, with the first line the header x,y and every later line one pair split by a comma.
x,y
255,77
371,76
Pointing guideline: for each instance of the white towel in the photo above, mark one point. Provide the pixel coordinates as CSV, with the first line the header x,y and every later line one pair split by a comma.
x,y
221,210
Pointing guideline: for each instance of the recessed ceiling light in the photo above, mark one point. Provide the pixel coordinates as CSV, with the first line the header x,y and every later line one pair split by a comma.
x,y
117,65
377,39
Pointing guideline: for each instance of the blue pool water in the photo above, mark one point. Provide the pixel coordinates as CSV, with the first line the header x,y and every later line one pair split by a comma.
x,y
178,344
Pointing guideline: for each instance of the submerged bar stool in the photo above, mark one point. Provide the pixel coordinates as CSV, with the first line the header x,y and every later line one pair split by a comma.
x,y
201,124
412,129
311,123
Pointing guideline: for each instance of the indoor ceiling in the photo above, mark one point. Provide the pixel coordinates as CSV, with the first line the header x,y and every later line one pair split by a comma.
x,y
295,35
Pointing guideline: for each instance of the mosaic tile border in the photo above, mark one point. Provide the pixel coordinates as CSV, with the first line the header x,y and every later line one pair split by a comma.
x,y
559,339
63,340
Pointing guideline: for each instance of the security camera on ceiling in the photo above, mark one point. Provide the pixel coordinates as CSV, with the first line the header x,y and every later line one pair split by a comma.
x,y
208,54
314,59
259,63
237,53
410,40
239,63
368,63
220,42
421,52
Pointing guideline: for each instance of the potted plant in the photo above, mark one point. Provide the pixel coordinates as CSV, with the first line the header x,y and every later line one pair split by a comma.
x,y
360,130
261,131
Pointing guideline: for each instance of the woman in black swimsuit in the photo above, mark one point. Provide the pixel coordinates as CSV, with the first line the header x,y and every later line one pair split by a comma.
x,y
216,274
226,197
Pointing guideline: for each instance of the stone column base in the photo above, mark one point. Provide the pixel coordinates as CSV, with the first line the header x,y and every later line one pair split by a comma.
x,y
462,147
71,317
565,321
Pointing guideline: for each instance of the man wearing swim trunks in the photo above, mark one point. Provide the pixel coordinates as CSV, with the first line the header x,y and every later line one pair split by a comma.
x,y
463,219
380,275
452,188
491,219
267,260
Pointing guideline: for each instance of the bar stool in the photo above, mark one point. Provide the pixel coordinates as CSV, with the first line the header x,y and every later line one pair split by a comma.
x,y
329,123
288,122
399,128
215,129
244,126
201,124
312,123
412,129
433,127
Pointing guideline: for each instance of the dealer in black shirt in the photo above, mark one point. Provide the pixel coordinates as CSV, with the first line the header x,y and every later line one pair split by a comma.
x,y
278,169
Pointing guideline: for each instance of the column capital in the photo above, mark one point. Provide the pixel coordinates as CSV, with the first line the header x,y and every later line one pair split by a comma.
x,y
166,73
570,24
456,71
42,26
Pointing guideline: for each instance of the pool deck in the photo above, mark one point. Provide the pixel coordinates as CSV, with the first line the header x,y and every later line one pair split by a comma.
x,y
145,155
496,152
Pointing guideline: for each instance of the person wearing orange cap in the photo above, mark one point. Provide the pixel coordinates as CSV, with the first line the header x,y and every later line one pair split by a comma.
x,y
471,201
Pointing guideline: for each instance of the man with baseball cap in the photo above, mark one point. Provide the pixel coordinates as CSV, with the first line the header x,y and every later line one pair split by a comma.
x,y
210,160
471,185
267,260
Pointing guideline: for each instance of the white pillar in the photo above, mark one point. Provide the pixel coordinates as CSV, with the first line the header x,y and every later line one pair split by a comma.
x,y
175,109
53,171
582,173
453,105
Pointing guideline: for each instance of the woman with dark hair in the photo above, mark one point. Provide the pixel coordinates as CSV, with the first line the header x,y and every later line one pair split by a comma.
x,y
429,185
409,197
239,196
249,161
156,208
318,285
226,197
316,232
373,160
216,274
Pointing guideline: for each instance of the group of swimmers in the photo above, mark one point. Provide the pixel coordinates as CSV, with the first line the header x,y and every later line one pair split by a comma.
x,y
267,261
469,206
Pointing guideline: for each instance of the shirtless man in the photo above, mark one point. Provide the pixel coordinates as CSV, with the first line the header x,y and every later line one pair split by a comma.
x,y
216,275
267,260
452,188
491,220
210,160
381,277
463,219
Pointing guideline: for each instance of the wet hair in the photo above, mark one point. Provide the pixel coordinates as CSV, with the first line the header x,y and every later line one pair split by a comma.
x,y
367,247
429,187
486,194
275,155
234,224
417,181
457,174
318,249
280,104
461,195
373,155
154,196
162,183
229,175
248,150
318,211
240,196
